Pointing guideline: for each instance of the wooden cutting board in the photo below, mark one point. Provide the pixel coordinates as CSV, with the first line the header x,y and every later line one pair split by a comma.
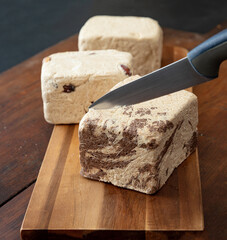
x,y
66,205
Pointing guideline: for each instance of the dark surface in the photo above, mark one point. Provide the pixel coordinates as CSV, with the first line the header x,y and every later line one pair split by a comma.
x,y
29,26
12,213
24,133
24,136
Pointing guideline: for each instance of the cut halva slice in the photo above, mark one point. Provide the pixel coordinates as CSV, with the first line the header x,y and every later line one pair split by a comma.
x,y
138,146
71,81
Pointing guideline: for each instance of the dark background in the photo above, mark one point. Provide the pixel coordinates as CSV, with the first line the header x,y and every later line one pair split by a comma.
x,y
29,26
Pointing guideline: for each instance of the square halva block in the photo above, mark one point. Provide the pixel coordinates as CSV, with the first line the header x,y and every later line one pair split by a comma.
x,y
138,146
71,81
141,36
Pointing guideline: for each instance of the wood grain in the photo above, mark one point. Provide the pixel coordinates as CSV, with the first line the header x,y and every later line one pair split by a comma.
x,y
23,130
12,213
213,151
66,203
64,200
14,177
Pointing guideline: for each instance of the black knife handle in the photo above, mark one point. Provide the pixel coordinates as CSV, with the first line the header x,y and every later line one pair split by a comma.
x,y
207,57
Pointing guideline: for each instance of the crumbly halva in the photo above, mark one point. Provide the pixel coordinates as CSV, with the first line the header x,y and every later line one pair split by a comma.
x,y
138,146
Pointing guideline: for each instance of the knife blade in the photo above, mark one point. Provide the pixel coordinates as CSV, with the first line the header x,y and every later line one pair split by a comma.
x,y
201,65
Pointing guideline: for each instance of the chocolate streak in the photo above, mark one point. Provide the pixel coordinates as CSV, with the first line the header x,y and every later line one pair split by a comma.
x,y
96,176
143,111
190,124
153,169
168,143
150,145
191,145
128,111
161,126
91,157
90,142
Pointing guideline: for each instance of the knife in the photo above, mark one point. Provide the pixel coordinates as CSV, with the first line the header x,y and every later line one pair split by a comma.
x,y
201,65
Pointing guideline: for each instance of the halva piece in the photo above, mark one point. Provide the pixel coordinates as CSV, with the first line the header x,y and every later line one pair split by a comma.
x,y
71,81
141,36
138,146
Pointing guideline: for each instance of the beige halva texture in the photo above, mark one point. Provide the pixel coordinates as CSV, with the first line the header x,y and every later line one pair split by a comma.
x,y
71,81
138,146
141,36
